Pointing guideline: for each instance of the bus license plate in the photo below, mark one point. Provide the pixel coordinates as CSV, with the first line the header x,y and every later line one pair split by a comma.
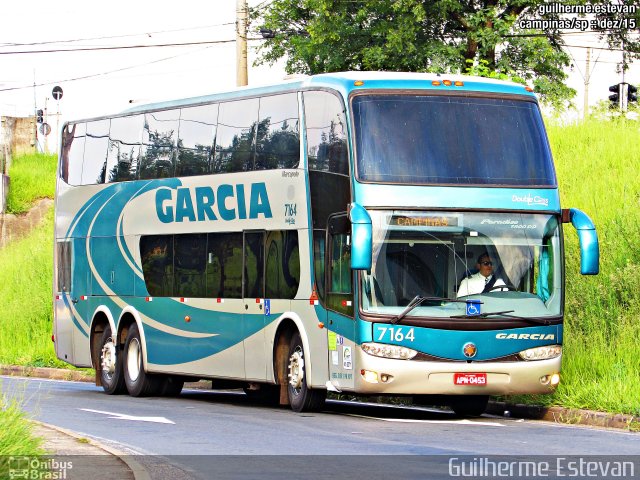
x,y
470,378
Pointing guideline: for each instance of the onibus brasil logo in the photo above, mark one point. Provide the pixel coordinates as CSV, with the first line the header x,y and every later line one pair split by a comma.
x,y
38,468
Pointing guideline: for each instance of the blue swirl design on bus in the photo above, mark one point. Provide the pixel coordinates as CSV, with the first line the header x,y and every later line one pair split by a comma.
x,y
97,233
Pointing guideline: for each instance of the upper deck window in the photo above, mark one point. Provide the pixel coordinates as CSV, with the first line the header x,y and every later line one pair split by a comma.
x,y
419,139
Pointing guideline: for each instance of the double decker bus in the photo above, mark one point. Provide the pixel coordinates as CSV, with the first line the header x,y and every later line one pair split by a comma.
x,y
330,233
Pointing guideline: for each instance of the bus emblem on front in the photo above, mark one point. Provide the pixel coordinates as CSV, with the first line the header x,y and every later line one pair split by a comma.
x,y
469,350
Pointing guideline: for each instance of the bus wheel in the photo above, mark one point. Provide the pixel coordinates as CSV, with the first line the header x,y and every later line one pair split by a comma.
x,y
469,405
265,394
139,383
110,365
301,398
171,386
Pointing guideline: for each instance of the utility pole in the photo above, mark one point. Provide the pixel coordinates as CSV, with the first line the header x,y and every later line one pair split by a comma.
x,y
241,43
587,77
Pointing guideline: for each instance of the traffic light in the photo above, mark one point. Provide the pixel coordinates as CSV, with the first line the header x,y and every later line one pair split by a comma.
x,y
39,116
615,98
633,93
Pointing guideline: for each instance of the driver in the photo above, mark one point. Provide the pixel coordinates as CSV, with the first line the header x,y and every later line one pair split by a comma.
x,y
483,281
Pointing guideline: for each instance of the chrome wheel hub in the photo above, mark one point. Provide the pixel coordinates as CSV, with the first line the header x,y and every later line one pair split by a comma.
x,y
108,359
296,369
134,359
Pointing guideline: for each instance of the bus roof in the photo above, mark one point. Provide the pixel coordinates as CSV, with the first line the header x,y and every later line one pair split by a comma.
x,y
345,83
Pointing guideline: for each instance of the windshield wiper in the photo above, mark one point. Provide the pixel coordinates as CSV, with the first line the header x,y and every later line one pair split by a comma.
x,y
417,300
506,316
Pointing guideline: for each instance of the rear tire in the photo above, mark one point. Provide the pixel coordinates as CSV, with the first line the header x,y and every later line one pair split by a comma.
x,y
301,398
139,383
469,405
267,394
171,386
110,364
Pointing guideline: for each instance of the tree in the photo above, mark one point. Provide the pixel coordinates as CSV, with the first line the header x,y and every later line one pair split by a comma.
x,y
459,36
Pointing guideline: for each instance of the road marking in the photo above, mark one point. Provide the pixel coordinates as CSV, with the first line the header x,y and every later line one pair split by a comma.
x,y
122,416
409,420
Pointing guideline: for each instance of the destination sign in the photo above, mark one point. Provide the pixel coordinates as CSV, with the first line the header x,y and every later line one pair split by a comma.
x,y
425,221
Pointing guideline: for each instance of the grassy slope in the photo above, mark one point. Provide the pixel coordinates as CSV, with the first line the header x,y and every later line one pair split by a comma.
x,y
32,177
597,164
16,436
26,312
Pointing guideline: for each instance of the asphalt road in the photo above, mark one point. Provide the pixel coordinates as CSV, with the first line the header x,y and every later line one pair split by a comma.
x,y
344,437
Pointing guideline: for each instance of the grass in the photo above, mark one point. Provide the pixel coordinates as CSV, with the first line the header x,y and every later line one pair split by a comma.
x,y
26,312
16,434
32,177
597,164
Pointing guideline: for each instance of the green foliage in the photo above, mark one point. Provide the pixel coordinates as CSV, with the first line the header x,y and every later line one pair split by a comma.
x,y
26,312
597,165
16,433
31,177
317,36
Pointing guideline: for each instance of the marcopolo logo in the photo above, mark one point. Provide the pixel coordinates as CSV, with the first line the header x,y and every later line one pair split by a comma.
x,y
227,202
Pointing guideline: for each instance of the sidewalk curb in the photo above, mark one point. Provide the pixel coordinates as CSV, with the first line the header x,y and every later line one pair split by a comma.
x,y
562,415
138,471
46,372
571,416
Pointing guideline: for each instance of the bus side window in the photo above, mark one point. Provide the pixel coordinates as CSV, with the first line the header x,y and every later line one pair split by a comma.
x,y
277,135
282,264
73,139
124,148
156,252
196,137
339,286
159,137
253,265
94,166
189,265
224,265
235,137
319,248
326,129
64,266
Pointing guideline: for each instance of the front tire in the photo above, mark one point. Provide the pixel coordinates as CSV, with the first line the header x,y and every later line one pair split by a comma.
x,y
138,382
469,405
301,398
110,364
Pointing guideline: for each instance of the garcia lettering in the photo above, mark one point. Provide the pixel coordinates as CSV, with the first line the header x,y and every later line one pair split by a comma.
x,y
526,336
227,202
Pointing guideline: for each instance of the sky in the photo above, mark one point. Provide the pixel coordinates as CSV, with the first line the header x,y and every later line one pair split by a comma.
x,y
110,81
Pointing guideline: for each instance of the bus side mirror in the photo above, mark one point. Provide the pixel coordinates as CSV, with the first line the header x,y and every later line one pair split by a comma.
x,y
361,237
588,238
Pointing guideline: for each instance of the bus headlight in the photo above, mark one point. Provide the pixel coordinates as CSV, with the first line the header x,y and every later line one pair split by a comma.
x,y
389,351
541,353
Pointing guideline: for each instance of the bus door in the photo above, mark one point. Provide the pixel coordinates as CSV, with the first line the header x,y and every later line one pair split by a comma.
x,y
255,351
339,300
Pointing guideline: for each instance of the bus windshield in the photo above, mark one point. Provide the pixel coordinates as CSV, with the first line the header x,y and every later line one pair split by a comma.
x,y
506,262
450,140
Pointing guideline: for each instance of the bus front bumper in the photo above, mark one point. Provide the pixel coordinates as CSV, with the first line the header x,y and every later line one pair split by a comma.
x,y
376,375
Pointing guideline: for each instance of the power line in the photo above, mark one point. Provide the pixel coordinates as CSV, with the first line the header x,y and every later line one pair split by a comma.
x,y
84,77
124,47
113,36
